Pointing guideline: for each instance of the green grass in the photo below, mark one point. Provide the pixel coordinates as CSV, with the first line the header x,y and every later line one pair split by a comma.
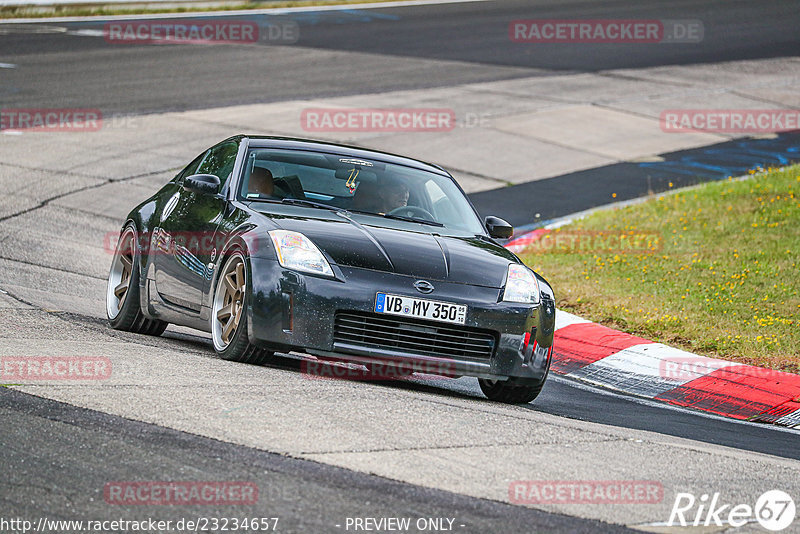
x,y
95,8
721,277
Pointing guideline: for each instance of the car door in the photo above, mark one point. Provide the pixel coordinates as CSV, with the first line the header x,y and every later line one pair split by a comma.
x,y
186,232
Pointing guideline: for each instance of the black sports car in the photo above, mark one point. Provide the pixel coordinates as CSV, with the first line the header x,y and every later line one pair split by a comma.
x,y
276,244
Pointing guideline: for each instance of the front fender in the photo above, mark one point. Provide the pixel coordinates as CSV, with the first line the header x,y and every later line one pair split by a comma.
x,y
547,314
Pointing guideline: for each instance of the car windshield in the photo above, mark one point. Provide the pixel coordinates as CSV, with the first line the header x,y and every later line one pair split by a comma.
x,y
358,185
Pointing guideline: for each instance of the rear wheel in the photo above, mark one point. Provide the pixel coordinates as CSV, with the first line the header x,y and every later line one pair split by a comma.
x,y
502,391
122,291
229,314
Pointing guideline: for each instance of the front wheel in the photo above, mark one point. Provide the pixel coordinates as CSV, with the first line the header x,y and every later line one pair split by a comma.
x,y
502,391
229,314
122,291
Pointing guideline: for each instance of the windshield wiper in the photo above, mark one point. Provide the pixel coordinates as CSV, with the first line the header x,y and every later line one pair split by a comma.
x,y
398,217
321,205
413,219
309,203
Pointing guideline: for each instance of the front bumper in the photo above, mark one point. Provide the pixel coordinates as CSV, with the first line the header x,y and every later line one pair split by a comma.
x,y
295,311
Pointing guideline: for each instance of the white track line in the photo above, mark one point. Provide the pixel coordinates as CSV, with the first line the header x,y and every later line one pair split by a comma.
x,y
242,12
7,66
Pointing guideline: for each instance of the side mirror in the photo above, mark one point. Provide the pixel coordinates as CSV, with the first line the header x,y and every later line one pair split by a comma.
x,y
498,228
205,184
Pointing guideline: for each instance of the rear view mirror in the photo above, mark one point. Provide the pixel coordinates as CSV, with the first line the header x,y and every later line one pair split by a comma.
x,y
497,227
205,184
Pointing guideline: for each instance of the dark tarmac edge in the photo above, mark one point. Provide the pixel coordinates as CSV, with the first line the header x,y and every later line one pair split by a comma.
x,y
570,193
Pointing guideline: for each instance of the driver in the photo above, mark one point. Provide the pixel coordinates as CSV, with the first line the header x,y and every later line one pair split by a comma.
x,y
394,196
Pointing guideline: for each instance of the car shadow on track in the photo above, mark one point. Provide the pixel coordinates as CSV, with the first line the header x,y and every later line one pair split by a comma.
x,y
317,369
559,397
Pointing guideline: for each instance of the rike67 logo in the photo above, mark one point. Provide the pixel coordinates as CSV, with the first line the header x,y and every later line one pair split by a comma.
x,y
774,510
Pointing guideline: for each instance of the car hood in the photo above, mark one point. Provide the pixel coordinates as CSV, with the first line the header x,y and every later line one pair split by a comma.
x,y
403,248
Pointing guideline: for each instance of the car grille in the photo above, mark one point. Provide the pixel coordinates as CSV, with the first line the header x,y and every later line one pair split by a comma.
x,y
414,336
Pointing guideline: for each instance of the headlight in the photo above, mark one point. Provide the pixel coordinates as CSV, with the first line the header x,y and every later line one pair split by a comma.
x,y
296,251
521,285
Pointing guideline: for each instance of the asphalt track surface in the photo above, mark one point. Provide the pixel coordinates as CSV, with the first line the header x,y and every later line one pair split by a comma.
x,y
366,51
57,459
339,54
91,448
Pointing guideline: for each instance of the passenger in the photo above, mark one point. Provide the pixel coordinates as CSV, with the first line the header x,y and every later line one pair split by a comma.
x,y
367,198
261,182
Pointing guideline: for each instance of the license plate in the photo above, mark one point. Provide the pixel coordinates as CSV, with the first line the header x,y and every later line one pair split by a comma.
x,y
420,308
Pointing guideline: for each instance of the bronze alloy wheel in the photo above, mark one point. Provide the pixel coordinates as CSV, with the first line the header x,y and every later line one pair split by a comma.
x,y
122,293
119,277
229,300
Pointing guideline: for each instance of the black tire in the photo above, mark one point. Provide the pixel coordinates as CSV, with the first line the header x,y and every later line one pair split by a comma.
x,y
502,391
239,348
129,316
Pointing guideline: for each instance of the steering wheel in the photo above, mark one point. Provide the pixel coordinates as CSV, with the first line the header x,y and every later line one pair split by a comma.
x,y
412,211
